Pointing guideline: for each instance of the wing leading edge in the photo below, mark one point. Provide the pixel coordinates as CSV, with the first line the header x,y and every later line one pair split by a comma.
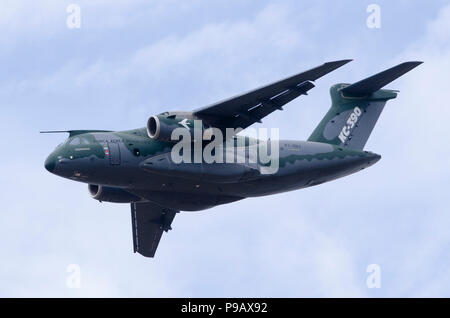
x,y
149,221
246,109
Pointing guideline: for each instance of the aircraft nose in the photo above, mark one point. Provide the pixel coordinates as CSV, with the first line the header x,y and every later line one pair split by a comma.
x,y
50,163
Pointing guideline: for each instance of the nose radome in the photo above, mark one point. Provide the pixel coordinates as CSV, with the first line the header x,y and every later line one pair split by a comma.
x,y
50,163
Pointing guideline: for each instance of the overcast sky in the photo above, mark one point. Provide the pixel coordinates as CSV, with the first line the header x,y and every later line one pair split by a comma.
x,y
133,59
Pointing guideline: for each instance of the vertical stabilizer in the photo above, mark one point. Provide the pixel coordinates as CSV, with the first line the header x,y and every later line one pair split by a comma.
x,y
356,108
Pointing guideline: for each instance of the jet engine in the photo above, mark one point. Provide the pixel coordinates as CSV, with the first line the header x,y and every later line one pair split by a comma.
x,y
161,127
111,194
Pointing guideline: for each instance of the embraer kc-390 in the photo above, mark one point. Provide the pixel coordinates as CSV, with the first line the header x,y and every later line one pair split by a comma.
x,y
142,167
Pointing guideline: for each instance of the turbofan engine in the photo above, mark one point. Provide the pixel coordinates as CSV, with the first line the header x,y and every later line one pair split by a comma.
x,y
160,127
110,194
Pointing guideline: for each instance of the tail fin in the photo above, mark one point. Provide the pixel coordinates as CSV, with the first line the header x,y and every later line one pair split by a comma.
x,y
355,108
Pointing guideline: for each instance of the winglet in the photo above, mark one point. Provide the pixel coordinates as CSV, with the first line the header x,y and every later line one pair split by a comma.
x,y
375,82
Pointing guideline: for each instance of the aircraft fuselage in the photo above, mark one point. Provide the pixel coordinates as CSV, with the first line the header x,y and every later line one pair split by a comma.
x,y
120,160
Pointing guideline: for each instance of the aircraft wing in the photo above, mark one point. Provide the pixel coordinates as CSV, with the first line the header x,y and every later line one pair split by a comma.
x,y
149,221
246,109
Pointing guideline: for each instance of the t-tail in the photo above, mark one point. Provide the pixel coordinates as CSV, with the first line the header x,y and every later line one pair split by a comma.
x,y
355,108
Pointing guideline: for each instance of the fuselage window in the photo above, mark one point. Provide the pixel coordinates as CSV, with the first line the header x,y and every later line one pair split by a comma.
x,y
75,141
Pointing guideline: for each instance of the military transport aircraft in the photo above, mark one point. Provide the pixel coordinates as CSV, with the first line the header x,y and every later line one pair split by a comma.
x,y
137,166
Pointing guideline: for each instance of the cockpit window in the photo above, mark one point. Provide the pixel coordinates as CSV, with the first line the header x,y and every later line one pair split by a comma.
x,y
75,141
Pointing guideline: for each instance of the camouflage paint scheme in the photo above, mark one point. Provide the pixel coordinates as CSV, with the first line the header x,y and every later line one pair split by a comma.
x,y
135,166
302,164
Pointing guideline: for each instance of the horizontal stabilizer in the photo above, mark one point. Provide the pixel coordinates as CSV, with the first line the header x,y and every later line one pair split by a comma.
x,y
72,132
373,83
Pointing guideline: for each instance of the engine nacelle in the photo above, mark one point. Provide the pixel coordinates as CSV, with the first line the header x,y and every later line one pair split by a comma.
x,y
161,127
110,194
